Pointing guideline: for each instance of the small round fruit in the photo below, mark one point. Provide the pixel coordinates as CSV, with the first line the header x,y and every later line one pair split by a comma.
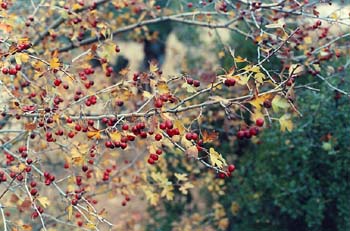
x,y
259,122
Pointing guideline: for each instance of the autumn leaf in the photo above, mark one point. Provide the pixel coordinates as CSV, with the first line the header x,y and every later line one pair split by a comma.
x,y
115,136
216,159
189,88
259,77
153,67
181,176
278,103
209,137
192,151
94,134
286,123
167,192
185,187
30,126
54,63
162,87
70,212
239,59
44,201
259,100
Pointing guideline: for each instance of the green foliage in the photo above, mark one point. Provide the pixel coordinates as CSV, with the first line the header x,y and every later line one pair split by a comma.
x,y
297,180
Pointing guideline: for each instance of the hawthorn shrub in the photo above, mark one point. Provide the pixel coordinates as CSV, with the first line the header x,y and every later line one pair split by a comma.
x,y
81,139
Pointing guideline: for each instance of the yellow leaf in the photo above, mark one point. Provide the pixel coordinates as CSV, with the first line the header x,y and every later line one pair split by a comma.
x,y
70,212
286,123
94,134
44,201
185,187
178,124
279,102
115,136
259,77
239,59
24,57
162,87
259,100
189,88
241,79
147,94
192,151
54,63
181,176
153,67
167,192
216,159
296,69
234,208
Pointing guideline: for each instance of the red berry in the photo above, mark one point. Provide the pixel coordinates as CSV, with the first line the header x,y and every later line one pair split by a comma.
x,y
259,122
158,137
194,136
196,83
57,82
154,156
125,127
189,136
151,161
13,71
240,134
18,67
230,82
231,168
158,103
5,70
190,5
4,5
33,191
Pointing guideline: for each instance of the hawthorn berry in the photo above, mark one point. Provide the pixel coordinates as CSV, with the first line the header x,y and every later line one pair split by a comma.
x,y
231,168
259,122
158,137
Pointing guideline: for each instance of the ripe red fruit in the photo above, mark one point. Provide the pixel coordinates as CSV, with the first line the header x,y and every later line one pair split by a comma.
x,y
33,191
230,82
158,103
154,156
77,127
151,161
74,201
253,131
12,71
194,136
18,67
4,5
169,124
196,83
231,168
57,82
158,137
117,49
259,122
189,81
162,126
222,175
159,152
240,134
190,5
5,70
188,136
125,127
